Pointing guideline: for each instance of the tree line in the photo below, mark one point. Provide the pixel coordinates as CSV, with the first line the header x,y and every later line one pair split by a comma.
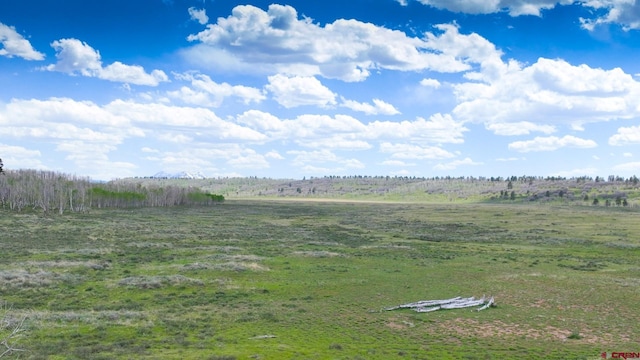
x,y
55,192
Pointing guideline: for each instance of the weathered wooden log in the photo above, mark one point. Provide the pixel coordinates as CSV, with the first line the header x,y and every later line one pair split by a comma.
x,y
453,303
426,303
427,309
489,303
463,304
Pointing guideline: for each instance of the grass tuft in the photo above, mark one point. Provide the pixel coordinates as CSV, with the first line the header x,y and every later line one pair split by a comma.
x,y
154,282
575,335
318,254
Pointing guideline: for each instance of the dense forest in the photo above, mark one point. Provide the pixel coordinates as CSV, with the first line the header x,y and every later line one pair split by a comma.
x,y
55,192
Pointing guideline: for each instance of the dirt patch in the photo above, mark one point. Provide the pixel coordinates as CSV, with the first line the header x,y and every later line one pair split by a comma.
x,y
498,329
398,324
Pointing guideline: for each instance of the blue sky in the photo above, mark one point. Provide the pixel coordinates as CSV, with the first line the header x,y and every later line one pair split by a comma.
x,y
112,89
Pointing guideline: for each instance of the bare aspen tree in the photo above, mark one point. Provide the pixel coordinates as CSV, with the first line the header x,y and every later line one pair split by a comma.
x,y
50,192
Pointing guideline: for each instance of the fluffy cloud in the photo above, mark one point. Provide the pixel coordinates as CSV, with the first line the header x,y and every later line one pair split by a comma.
x,y
433,83
623,12
210,158
14,44
206,123
348,133
84,131
88,133
293,91
379,107
131,74
456,164
513,7
409,151
93,157
551,143
437,129
77,57
274,155
248,159
519,128
198,15
206,92
626,136
297,91
544,94
277,41
304,127
20,157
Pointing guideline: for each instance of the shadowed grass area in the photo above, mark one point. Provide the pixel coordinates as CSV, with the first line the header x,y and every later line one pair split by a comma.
x,y
296,280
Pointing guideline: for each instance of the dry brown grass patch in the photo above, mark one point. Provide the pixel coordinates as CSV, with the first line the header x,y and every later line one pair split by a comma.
x,y
471,328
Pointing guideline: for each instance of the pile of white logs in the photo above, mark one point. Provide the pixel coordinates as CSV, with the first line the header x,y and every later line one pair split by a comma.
x,y
453,303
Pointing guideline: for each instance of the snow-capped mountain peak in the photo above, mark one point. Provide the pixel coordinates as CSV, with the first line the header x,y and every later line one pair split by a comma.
x,y
179,175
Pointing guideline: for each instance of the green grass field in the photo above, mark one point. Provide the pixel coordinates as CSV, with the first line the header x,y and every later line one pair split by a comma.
x,y
309,280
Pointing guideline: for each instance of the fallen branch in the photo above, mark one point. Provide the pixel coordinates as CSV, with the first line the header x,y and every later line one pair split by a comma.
x,y
12,336
489,303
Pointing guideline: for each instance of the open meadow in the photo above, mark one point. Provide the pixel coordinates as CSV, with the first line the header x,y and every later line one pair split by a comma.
x,y
257,279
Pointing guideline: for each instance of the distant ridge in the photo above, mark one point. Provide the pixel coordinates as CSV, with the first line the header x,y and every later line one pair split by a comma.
x,y
178,175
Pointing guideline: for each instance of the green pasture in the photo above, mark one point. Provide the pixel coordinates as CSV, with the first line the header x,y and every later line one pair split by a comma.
x,y
309,280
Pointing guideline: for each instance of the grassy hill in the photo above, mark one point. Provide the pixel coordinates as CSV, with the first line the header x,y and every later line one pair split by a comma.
x,y
614,191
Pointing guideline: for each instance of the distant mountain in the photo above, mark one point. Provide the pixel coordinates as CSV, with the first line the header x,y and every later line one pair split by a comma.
x,y
179,175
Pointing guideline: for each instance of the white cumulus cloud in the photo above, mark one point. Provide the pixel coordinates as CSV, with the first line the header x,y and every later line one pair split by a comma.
x,y
437,129
551,143
513,7
206,92
77,57
348,133
519,128
415,152
545,94
293,91
20,157
456,164
379,107
87,133
626,136
198,15
623,12
626,13
432,83
14,44
278,41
